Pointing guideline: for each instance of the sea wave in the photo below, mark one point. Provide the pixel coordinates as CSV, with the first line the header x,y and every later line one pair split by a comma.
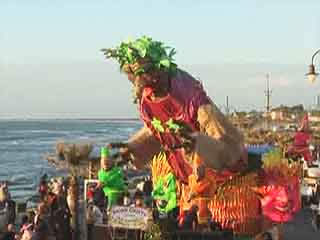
x,y
23,145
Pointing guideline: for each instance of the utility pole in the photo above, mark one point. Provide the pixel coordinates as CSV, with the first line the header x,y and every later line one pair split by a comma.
x,y
227,106
268,95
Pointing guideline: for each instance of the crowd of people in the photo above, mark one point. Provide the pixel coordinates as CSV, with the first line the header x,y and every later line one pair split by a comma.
x,y
98,202
7,212
112,190
50,219
141,197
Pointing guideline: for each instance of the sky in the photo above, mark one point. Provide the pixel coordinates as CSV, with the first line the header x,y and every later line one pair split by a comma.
x,y
51,66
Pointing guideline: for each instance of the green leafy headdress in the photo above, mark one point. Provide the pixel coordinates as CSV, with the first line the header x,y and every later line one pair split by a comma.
x,y
143,55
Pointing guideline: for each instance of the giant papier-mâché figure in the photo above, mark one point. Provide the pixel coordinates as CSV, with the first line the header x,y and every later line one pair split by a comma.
x,y
182,122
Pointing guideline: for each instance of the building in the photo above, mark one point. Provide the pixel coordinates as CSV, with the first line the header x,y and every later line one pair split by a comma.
x,y
277,115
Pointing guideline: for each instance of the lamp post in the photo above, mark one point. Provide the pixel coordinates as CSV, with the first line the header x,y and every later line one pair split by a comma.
x,y
312,74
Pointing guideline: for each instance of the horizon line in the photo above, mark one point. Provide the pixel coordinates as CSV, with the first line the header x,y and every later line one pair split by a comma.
x,y
71,118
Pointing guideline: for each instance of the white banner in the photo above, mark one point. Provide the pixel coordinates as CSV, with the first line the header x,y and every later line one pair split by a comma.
x,y
129,217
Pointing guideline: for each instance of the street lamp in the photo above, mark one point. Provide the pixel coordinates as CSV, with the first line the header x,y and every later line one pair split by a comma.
x,y
312,74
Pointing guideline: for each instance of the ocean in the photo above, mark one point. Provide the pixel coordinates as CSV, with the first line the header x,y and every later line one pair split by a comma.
x,y
24,145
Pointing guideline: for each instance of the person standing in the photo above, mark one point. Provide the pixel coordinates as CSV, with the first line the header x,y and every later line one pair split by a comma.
x,y
111,179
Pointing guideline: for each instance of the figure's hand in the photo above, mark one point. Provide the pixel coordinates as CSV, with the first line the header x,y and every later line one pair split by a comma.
x,y
189,142
118,145
123,150
192,195
98,186
186,134
92,172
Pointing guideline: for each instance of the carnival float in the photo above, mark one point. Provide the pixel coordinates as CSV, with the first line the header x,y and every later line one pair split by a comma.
x,y
198,159
241,185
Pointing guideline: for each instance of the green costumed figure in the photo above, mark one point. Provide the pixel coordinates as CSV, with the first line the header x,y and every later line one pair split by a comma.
x,y
165,184
165,193
111,179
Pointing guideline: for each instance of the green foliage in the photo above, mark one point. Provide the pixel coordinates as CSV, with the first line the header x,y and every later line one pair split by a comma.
x,y
161,230
153,232
315,113
172,125
155,52
157,125
241,114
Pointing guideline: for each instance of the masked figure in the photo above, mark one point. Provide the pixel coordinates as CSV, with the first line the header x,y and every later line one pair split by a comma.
x,y
280,189
181,121
165,186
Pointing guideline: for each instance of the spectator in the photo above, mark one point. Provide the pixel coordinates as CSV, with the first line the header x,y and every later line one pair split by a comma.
x,y
24,223
8,205
42,216
43,187
10,234
61,220
147,186
90,192
147,190
189,219
94,216
11,211
27,235
97,214
111,179
100,199
41,230
214,226
138,199
126,199
57,186
52,202
31,216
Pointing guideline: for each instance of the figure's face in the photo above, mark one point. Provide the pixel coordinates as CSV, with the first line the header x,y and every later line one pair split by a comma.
x,y
139,83
126,201
139,202
3,193
281,202
164,192
103,164
161,204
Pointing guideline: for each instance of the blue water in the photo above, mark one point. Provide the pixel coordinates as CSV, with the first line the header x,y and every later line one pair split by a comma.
x,y
24,145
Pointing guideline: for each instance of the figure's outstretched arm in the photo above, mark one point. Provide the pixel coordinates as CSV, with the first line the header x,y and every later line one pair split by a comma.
x,y
143,146
219,143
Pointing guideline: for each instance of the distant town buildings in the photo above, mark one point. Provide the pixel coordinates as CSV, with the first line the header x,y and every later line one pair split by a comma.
x,y
286,113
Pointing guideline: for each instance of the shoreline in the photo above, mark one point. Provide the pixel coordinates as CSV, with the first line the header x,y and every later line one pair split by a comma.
x,y
70,119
